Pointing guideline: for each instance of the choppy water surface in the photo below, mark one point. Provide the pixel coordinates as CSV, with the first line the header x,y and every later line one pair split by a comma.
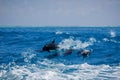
x,y
20,61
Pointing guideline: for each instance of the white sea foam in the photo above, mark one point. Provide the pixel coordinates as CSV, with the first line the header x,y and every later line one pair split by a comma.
x,y
75,44
59,32
110,40
28,55
105,39
2,72
112,34
92,39
60,71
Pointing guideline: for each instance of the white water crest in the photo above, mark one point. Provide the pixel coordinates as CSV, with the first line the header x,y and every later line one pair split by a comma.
x,y
75,44
112,33
58,32
28,55
49,70
110,40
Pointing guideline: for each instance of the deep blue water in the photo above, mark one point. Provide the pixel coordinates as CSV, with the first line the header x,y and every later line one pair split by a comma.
x,y
20,61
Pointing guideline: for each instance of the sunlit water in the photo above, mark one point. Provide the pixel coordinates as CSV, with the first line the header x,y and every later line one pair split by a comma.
x,y
20,61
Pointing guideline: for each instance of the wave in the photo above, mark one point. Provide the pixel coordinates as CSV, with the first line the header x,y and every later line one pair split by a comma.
x,y
50,70
110,40
112,33
28,55
22,62
58,32
75,44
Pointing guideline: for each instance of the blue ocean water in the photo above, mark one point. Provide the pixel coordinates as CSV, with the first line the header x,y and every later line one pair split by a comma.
x,y
20,61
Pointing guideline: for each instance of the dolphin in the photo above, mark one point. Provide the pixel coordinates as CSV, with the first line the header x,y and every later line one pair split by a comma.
x,y
68,52
48,47
84,53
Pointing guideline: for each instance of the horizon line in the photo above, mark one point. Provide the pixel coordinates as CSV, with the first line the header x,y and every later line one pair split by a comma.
x,y
53,26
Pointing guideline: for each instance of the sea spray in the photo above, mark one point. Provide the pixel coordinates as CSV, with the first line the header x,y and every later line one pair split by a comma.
x,y
112,33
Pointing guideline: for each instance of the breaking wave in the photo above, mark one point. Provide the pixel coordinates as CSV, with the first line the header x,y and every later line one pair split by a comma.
x,y
50,70
59,32
112,33
75,44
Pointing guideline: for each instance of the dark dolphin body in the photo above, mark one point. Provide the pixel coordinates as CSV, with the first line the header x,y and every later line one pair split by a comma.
x,y
48,47
53,46
84,53
68,52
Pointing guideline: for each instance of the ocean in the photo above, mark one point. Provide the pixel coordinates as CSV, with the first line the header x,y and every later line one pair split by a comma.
x,y
19,59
